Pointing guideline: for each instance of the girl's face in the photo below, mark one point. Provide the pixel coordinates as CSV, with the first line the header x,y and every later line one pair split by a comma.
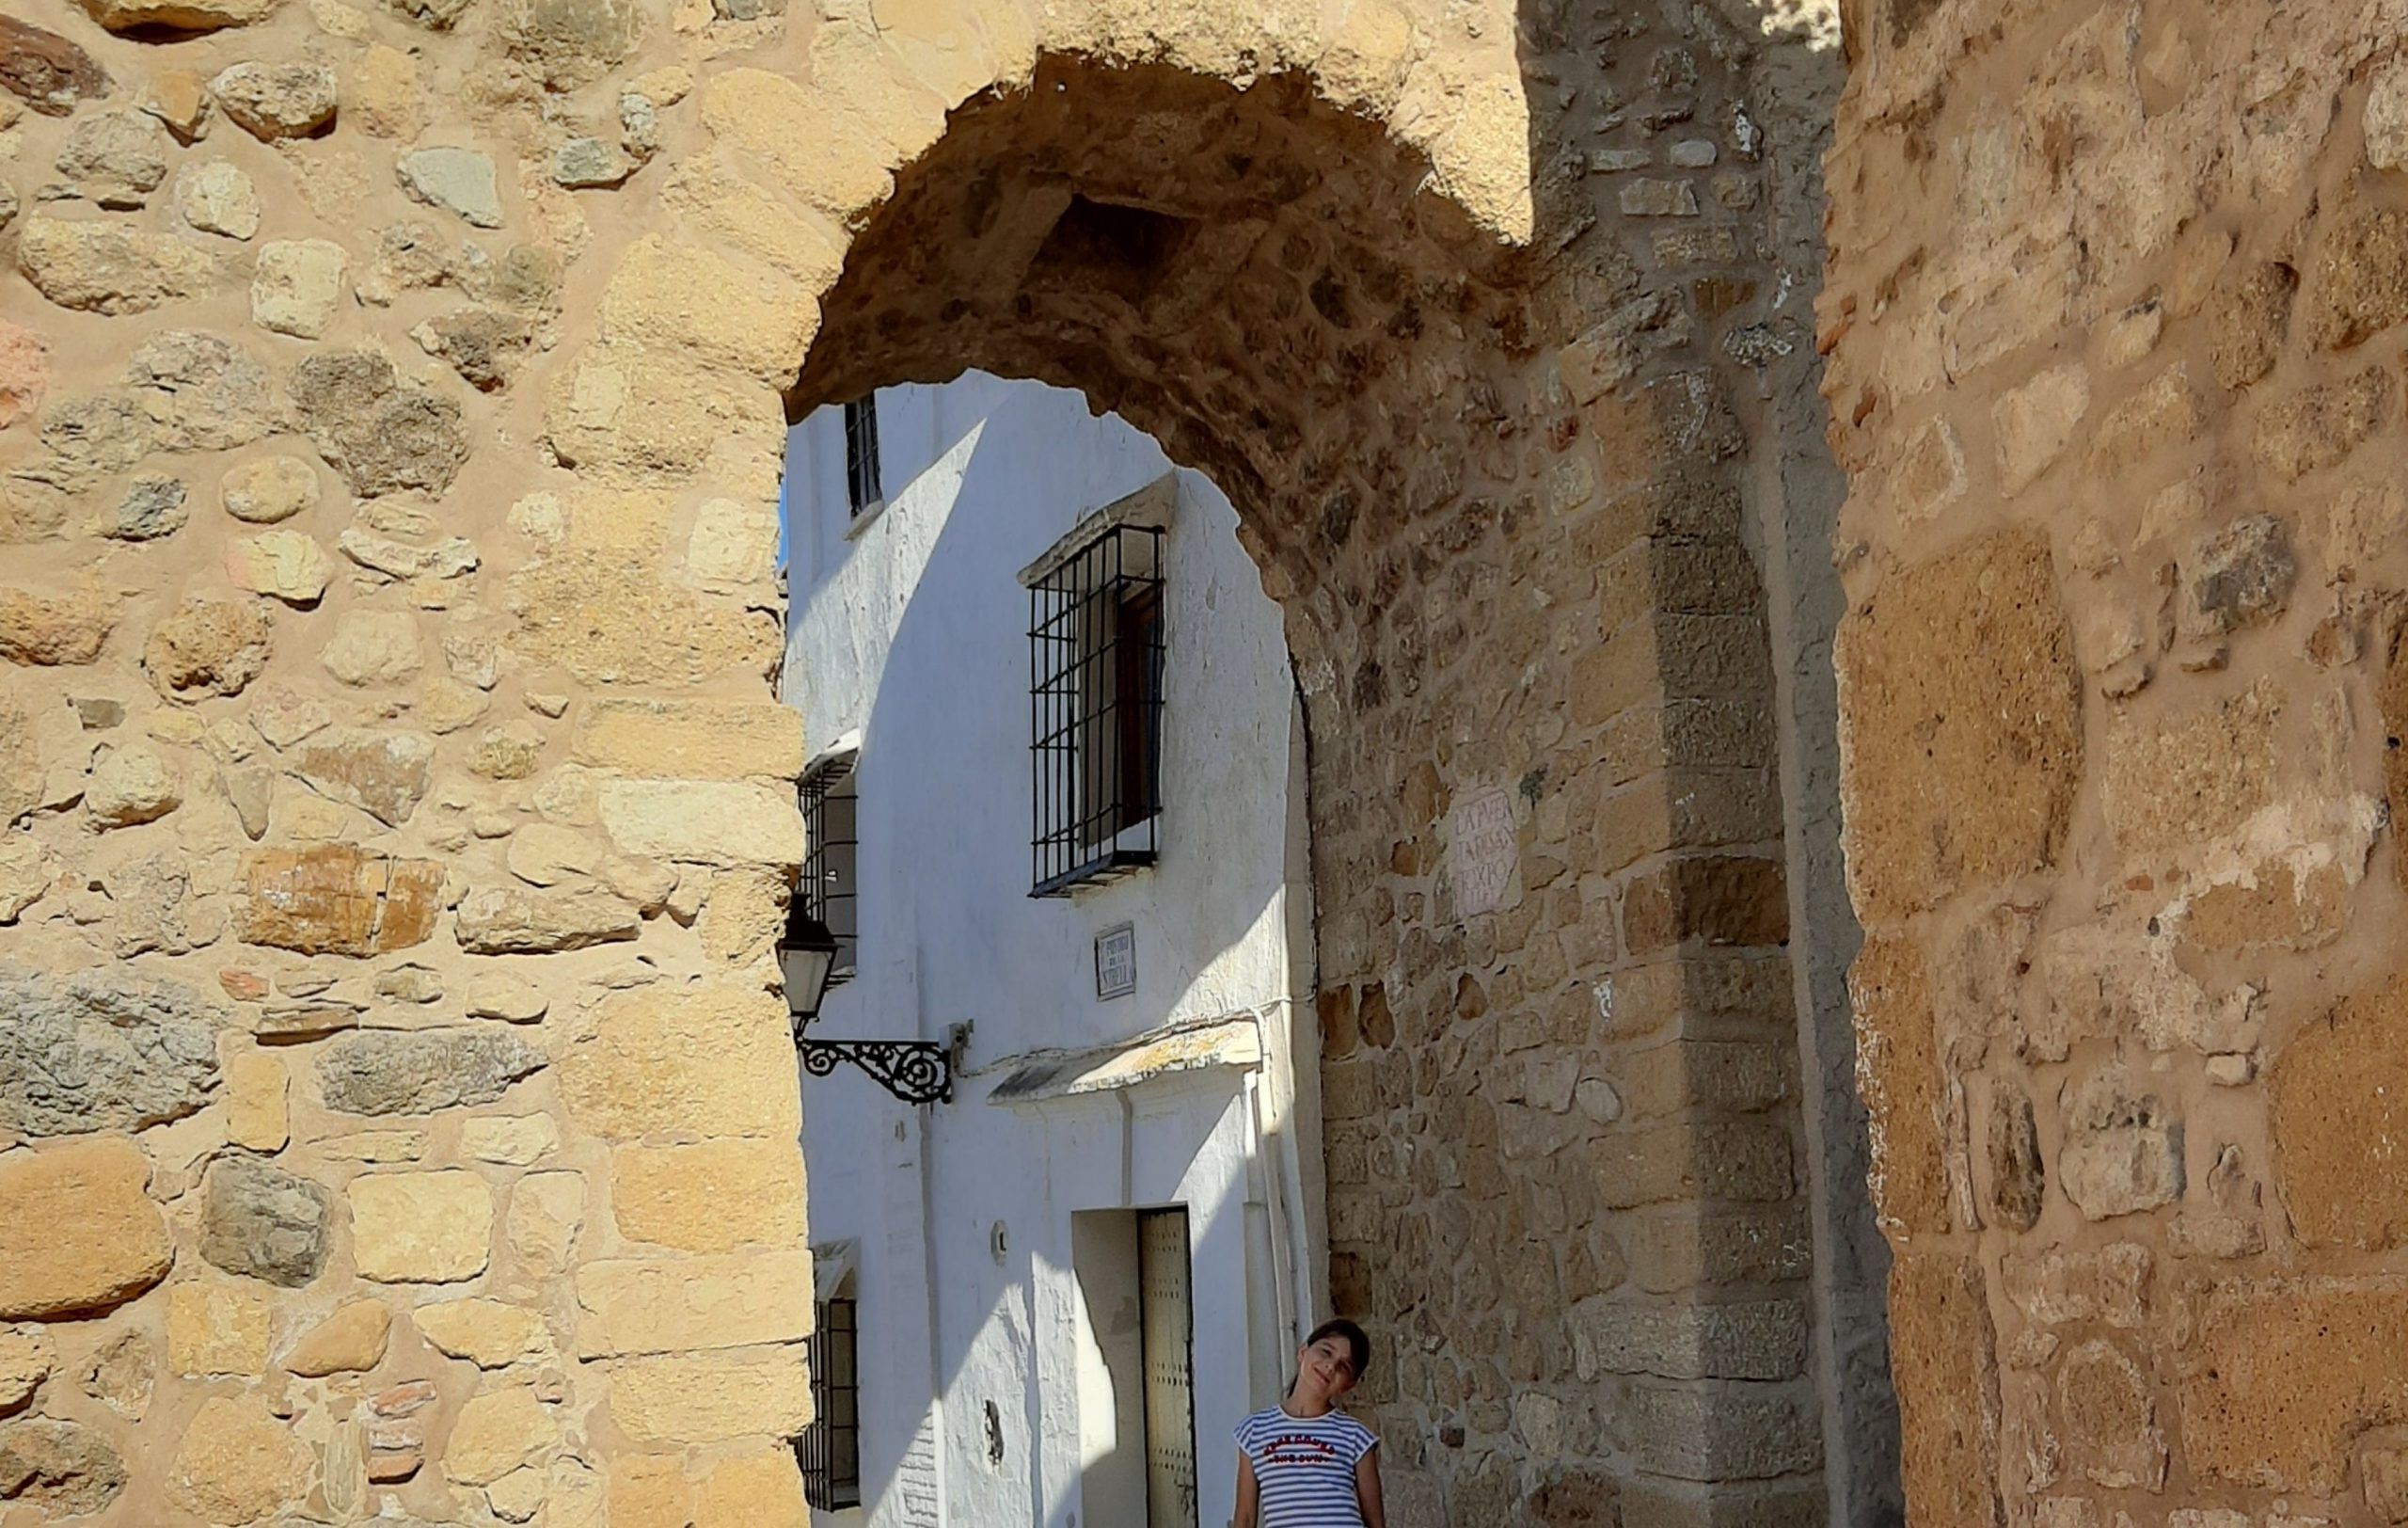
x,y
1326,1368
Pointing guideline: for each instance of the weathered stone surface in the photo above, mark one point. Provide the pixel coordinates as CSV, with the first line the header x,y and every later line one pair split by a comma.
x,y
491,1334
78,1234
2058,1286
117,158
203,393
714,1063
105,267
801,137
2036,422
608,623
677,1401
420,1227
636,419
2122,1152
269,489
121,1375
207,648
1940,1350
49,627
2194,778
698,740
296,287
1940,793
106,1050
383,774
2239,575
58,1469
590,164
2249,320
690,298
283,565
24,372
459,181
151,507
672,1305
178,15
350,1341
276,100
131,785
216,197
547,1217
179,99
484,347
2112,1417
262,1221
374,647
338,900
382,434
710,822
498,1432
1898,1074
238,1463
515,1140
498,994
711,1196
2319,425
25,1359
2287,1373
569,43
2337,1099
1740,1340
420,1071
45,71
215,1328
506,920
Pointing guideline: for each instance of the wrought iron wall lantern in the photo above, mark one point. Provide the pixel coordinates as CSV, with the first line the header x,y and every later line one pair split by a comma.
x,y
915,1071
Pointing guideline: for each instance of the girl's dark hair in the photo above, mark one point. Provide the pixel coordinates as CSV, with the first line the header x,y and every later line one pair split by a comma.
x,y
1358,1347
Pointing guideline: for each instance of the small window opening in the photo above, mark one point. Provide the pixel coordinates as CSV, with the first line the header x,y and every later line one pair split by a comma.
x,y
830,886
863,486
1096,647
829,1450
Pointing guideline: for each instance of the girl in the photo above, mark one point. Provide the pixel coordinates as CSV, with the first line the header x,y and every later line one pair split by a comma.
x,y
1303,1463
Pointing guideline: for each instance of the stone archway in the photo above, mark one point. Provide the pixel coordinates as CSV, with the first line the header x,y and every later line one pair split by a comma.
x,y
405,714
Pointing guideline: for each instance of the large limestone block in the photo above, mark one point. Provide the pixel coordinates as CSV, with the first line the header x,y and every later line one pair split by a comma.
x,y
692,740
106,267
633,419
238,1463
749,1491
420,1227
510,920
2192,778
713,1063
678,1401
705,821
1960,725
105,1050
2287,1373
1941,1352
338,900
817,149
78,1232
691,298
713,1196
491,1334
2337,1105
684,1304
611,619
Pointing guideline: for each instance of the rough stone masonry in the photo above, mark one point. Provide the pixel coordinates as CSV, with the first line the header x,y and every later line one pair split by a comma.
x,y
397,1119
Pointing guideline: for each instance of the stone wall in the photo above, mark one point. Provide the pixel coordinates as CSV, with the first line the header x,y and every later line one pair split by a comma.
x,y
2112,320
389,421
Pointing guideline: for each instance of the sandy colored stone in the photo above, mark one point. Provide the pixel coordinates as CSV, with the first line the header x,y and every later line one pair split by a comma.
x,y
2035,424
106,267
636,419
132,785
385,775
1940,794
179,98
510,920
284,564
51,625
2122,1150
216,197
386,99
274,101
117,158
207,648
691,298
178,15
513,1140
374,647
420,1227
710,1062
268,489
752,1490
352,1340
2287,1373
671,1305
671,1402
2319,425
238,1462
77,1231
498,1432
216,1330
24,372
58,1469
1941,1348
547,1216
569,43
498,994
296,287
2192,778
697,739
256,1113
2337,1099
710,1196
488,1334
335,898
25,1359
710,822
459,181
1898,1074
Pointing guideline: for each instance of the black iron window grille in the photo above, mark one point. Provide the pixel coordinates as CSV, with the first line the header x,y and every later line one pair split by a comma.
x,y
1096,647
862,485
831,883
829,1450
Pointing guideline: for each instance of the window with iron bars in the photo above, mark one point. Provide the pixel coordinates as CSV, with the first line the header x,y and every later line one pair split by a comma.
x,y
1096,644
829,1450
862,486
830,885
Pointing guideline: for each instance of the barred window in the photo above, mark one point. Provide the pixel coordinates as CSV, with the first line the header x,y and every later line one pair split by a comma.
x,y
830,886
862,485
1096,646
829,1450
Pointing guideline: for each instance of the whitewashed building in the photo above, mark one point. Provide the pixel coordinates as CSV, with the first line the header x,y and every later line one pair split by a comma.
x,y
1059,846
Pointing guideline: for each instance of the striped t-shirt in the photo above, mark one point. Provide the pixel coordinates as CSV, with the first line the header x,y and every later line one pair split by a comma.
x,y
1303,1466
